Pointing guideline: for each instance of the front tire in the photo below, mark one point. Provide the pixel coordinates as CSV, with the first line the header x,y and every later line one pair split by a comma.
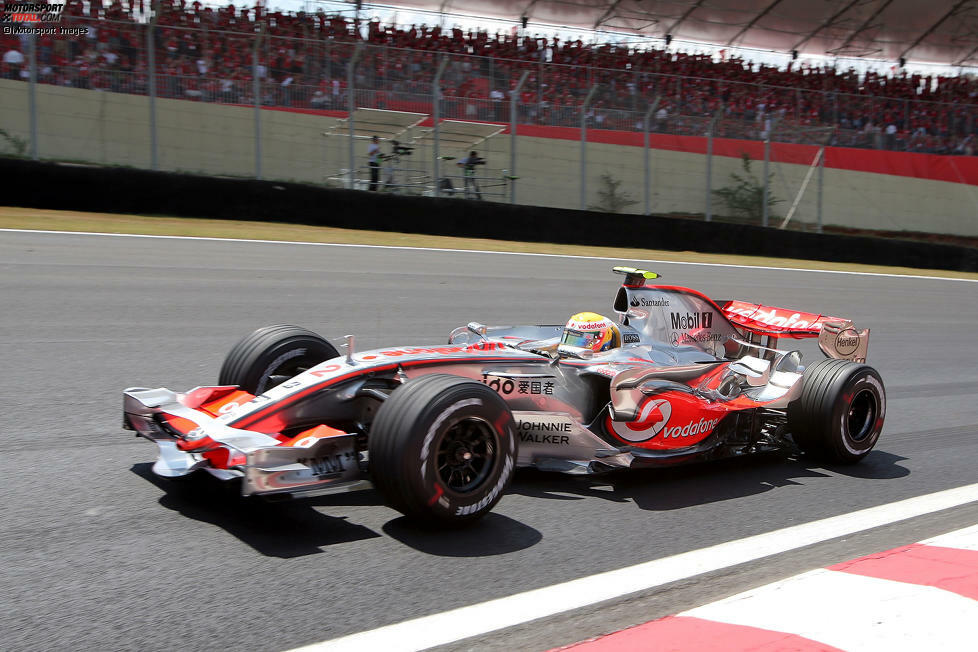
x,y
271,355
443,448
839,415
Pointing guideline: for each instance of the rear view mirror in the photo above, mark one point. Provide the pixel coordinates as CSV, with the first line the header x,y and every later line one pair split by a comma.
x,y
477,328
575,352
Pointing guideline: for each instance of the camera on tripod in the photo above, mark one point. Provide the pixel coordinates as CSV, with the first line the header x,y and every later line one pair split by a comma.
x,y
401,150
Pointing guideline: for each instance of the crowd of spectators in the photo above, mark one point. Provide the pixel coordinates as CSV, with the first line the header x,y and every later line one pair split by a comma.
x,y
206,53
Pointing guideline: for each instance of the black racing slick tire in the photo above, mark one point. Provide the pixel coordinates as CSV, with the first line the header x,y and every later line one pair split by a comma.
x,y
271,355
839,415
443,449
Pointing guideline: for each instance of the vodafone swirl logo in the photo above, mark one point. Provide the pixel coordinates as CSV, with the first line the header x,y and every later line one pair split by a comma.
x,y
652,418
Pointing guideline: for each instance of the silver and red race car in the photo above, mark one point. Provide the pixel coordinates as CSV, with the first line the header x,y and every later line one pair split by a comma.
x,y
439,430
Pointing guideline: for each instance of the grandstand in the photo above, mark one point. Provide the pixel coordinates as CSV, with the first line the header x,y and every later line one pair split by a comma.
x,y
205,53
246,91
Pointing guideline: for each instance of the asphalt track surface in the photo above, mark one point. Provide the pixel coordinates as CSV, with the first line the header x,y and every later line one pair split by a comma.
x,y
99,554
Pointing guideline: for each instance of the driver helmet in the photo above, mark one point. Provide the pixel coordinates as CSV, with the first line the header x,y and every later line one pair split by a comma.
x,y
589,330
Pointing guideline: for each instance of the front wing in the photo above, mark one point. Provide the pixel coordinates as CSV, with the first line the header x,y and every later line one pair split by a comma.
x,y
266,466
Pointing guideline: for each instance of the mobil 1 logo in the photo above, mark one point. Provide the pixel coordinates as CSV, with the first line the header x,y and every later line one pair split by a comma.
x,y
684,321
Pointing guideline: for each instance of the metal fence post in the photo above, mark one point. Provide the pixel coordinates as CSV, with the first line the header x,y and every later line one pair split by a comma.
x,y
32,95
540,85
352,105
154,162
767,178
821,181
256,89
513,96
709,169
584,107
637,85
436,116
646,123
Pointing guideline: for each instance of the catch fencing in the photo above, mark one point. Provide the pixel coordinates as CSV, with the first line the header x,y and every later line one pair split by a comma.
x,y
305,109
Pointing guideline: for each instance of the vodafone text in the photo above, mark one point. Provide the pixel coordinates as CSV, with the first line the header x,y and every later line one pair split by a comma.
x,y
691,429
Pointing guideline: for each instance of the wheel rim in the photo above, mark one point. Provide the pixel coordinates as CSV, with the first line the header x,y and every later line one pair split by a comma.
x,y
466,454
279,373
862,415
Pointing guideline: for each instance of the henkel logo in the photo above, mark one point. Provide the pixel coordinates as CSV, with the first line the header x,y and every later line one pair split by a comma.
x,y
847,341
652,418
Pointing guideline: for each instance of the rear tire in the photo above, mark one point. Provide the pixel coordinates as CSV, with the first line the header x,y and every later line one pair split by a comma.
x,y
271,355
839,415
443,448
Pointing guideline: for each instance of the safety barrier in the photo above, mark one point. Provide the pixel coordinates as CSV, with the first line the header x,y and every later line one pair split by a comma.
x,y
125,190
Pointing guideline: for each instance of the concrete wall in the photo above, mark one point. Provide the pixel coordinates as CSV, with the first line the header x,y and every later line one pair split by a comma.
x,y
110,128
549,173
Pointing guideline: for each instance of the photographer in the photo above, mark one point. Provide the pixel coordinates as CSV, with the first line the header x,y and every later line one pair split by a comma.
x,y
373,160
468,164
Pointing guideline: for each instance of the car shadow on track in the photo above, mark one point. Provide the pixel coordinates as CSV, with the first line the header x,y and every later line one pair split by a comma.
x,y
494,534
294,528
285,529
673,488
878,465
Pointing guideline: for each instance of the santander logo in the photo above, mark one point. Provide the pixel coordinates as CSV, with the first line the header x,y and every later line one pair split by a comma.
x,y
652,418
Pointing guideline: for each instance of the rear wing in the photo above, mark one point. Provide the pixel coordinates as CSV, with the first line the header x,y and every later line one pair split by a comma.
x,y
836,336
778,322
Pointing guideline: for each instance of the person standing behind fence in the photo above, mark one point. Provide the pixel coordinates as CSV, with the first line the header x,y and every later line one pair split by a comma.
x,y
469,163
373,158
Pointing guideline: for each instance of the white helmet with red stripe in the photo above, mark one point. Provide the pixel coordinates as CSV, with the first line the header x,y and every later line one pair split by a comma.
x,y
589,330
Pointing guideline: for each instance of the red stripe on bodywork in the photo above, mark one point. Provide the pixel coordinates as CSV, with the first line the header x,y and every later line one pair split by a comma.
x,y
674,288
181,425
318,432
950,569
687,634
744,314
236,397
253,418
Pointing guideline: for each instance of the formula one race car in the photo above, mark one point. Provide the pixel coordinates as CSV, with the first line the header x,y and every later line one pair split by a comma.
x,y
439,430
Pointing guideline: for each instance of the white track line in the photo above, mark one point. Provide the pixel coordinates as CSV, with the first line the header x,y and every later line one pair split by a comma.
x,y
486,251
478,619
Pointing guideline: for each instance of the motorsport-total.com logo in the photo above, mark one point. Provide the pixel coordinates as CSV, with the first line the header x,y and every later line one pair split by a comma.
x,y
31,13
35,18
